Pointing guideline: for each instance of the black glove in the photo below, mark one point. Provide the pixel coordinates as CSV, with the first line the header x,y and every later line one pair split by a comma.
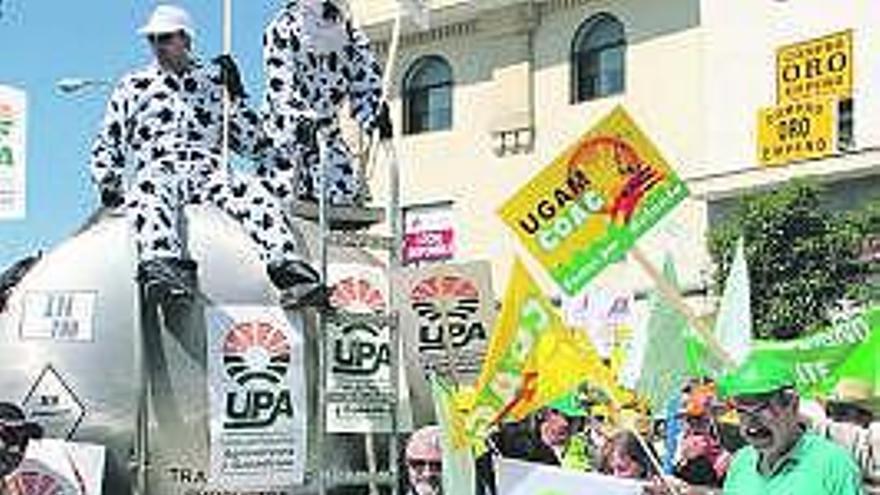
x,y
230,77
111,198
383,123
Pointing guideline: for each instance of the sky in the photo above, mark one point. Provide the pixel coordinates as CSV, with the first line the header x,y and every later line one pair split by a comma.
x,y
42,41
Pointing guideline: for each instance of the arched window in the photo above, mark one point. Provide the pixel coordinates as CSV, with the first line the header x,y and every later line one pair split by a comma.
x,y
427,95
598,58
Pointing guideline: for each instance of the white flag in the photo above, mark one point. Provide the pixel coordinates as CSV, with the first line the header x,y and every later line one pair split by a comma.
x,y
734,324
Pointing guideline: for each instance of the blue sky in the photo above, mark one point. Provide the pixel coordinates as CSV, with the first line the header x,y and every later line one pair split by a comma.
x,y
42,41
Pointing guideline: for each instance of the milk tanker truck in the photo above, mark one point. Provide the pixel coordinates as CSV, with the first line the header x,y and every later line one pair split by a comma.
x,y
73,356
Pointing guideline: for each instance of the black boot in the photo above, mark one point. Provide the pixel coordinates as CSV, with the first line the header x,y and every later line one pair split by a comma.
x,y
299,283
168,278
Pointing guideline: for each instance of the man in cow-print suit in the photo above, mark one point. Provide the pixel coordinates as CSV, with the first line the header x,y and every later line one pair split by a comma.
x,y
314,59
167,118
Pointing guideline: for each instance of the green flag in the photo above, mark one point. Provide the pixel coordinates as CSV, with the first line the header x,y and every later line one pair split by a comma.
x,y
665,362
859,377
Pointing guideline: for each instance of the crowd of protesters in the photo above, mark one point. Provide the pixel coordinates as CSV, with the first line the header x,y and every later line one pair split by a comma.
x,y
750,433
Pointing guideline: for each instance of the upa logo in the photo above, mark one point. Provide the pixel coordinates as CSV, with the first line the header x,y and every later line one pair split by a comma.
x,y
256,356
359,350
447,308
357,295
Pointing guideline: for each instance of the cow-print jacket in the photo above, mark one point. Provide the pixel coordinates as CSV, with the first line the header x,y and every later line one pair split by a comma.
x,y
155,116
302,85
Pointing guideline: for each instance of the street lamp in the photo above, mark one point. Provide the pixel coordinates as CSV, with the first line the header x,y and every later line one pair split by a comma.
x,y
71,85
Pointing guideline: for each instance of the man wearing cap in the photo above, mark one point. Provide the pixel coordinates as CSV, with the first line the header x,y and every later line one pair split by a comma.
x,y
315,59
15,434
167,119
781,457
424,462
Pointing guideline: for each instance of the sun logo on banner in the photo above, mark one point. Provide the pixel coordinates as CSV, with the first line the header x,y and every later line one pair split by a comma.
x,y
256,351
447,308
590,164
357,295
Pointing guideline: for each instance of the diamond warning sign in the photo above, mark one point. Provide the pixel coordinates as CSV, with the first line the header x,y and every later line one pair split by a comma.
x,y
53,404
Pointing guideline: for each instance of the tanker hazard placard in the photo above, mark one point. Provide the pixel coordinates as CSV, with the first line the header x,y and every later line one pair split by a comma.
x,y
589,206
258,398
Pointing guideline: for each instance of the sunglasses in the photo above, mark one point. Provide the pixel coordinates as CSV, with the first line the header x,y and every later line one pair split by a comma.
x,y
420,464
161,38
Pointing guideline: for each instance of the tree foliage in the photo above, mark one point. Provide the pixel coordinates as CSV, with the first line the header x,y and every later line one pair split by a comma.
x,y
803,257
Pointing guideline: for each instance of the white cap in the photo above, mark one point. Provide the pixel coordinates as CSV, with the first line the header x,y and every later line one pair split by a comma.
x,y
168,19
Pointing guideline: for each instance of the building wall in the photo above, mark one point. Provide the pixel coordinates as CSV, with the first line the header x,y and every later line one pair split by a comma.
x,y
696,73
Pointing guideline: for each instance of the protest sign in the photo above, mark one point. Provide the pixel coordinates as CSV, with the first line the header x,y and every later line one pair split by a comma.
x,y
588,207
817,356
525,478
13,127
605,314
257,397
447,312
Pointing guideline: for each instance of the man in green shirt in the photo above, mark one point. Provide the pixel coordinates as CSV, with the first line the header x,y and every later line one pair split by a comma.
x,y
781,457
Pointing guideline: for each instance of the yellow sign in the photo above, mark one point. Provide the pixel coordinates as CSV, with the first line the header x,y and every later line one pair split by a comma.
x,y
818,67
587,208
795,131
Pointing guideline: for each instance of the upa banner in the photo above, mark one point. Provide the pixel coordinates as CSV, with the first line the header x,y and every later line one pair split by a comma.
x,y
257,396
447,312
795,131
588,207
526,478
817,67
56,467
13,127
359,390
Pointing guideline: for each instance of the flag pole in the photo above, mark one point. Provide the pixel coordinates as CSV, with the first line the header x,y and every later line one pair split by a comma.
x,y
227,50
674,297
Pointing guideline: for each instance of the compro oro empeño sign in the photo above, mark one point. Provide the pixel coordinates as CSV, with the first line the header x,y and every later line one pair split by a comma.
x,y
817,67
12,153
795,131
587,208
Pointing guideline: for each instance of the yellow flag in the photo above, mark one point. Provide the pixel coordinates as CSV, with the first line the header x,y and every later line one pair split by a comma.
x,y
562,360
525,315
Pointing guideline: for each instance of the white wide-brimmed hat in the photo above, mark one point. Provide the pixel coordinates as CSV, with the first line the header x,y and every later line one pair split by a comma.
x,y
168,19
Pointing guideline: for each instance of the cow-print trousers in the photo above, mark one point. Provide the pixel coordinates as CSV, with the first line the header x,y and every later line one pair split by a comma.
x,y
159,194
296,171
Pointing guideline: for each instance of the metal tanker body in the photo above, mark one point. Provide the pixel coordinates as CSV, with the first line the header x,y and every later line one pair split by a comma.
x,y
72,355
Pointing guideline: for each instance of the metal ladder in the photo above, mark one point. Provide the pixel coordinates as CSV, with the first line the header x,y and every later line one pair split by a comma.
x,y
348,227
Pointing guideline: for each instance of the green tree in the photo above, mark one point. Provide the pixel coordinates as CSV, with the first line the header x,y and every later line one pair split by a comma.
x,y
803,257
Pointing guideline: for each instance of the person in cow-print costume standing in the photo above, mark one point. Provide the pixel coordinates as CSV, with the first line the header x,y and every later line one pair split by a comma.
x,y
167,118
314,60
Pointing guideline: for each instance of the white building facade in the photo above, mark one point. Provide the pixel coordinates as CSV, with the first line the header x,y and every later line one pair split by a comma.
x,y
495,89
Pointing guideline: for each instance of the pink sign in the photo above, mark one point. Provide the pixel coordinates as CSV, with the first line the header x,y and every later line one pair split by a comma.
x,y
429,245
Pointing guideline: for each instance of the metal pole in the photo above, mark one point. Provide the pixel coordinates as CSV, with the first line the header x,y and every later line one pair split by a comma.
x,y
323,233
393,268
141,306
227,49
394,259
